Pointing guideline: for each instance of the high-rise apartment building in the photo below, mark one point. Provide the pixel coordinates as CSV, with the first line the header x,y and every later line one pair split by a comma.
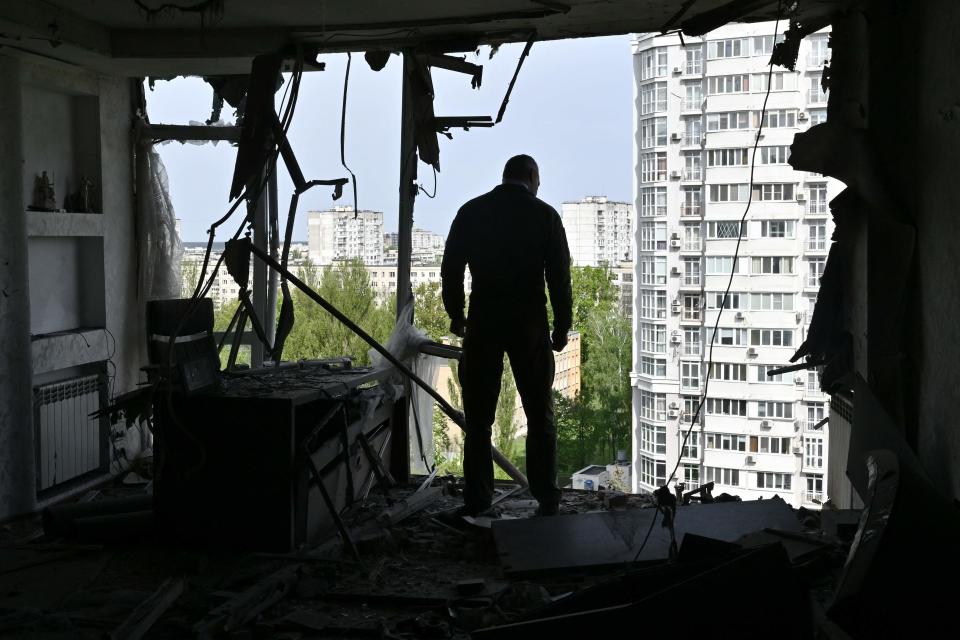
x,y
599,231
698,112
340,234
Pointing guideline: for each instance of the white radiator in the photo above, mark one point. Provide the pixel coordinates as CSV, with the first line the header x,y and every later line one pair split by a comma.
x,y
69,441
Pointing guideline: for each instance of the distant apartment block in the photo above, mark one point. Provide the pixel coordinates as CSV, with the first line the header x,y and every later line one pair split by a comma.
x,y
599,231
427,247
698,113
341,234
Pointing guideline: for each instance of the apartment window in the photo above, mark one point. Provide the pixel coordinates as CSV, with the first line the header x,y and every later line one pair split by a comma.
x,y
690,375
815,267
739,83
727,407
815,92
691,306
691,476
653,201
653,167
731,48
692,96
653,132
780,446
771,337
780,81
653,337
691,341
777,228
653,270
692,130
653,304
717,300
774,155
692,165
817,236
763,374
779,410
728,120
690,405
773,481
813,381
727,158
731,337
653,63
778,191
819,51
815,413
729,371
771,302
721,265
653,98
817,199
813,452
763,45
653,236
726,442
692,447
691,237
693,60
691,272
653,438
817,116
724,230
772,265
653,472
719,475
776,119
653,406
728,193
692,198
814,487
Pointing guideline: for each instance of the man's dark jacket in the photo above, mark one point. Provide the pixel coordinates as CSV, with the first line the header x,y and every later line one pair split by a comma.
x,y
511,240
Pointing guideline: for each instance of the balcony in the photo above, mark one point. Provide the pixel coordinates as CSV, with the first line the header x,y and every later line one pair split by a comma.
x,y
817,208
691,281
691,210
813,497
693,173
817,244
691,349
816,97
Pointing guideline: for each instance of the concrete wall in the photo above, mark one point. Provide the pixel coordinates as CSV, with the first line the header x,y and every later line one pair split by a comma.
x,y
62,271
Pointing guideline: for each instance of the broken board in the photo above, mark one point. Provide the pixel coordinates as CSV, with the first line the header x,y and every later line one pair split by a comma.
x,y
535,546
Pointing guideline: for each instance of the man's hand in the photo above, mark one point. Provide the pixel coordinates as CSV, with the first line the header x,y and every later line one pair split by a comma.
x,y
558,340
458,327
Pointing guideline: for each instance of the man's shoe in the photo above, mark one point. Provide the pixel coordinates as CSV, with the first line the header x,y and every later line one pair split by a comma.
x,y
547,509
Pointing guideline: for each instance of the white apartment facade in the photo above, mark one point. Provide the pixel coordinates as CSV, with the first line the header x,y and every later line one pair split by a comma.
x,y
341,234
599,231
697,110
426,247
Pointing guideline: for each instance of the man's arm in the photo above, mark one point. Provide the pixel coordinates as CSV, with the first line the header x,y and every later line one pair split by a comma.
x,y
451,276
557,269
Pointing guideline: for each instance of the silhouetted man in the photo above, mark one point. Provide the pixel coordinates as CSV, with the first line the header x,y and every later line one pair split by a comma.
x,y
510,240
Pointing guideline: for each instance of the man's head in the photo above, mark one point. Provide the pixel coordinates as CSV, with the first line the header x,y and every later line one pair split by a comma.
x,y
523,169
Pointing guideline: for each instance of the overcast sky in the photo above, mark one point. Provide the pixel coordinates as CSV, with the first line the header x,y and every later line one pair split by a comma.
x,y
571,110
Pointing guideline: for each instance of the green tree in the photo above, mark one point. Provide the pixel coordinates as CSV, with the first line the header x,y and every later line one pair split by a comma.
x,y
428,311
505,424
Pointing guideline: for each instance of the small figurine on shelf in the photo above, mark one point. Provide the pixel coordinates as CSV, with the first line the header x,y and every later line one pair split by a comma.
x,y
80,200
44,198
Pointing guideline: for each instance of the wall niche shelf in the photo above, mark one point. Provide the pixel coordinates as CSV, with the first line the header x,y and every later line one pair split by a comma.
x,y
52,224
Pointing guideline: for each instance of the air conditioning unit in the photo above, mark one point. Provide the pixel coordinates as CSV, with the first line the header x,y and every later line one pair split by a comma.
x,y
750,460
798,451
739,316
801,196
674,236
675,243
751,352
673,413
676,340
675,137
677,70
802,116
675,307
765,424
798,380
676,175
674,405
675,271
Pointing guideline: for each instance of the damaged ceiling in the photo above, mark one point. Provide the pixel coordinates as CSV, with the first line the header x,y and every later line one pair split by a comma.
x,y
155,37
